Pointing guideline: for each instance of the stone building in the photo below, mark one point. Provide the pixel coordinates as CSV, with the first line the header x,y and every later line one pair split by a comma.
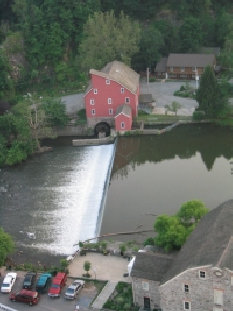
x,y
199,277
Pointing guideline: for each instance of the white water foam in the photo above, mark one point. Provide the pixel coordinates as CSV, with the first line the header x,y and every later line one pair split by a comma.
x,y
77,200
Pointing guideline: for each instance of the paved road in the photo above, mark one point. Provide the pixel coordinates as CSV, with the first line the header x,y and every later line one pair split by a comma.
x,y
162,92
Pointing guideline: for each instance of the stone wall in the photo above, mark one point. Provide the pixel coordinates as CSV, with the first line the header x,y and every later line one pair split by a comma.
x,y
145,288
201,293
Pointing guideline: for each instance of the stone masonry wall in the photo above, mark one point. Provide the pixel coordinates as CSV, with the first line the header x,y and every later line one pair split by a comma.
x,y
200,293
145,288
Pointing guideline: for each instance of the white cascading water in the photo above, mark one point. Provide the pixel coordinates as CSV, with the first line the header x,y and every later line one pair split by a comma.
x,y
78,202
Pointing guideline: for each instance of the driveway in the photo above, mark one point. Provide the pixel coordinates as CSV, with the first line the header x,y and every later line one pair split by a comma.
x,y
162,92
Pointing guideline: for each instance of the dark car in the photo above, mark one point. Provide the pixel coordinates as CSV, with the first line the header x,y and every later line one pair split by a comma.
x,y
26,296
29,280
43,282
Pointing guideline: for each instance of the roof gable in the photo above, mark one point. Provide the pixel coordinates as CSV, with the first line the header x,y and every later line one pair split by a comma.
x,y
124,109
120,73
209,244
190,60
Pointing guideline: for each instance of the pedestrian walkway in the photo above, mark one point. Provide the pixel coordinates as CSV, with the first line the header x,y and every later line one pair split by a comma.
x,y
104,295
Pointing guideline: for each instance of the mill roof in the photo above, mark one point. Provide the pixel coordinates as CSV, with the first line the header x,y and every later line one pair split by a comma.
x,y
120,73
211,243
151,266
190,60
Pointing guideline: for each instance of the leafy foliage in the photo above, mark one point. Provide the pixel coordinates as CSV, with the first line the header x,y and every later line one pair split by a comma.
x,y
116,39
172,231
55,112
6,245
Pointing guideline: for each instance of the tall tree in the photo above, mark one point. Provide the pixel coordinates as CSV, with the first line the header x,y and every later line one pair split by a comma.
x,y
107,38
151,44
209,95
190,35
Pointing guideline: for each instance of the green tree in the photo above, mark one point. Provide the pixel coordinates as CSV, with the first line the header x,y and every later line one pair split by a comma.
x,y
87,267
209,95
191,212
174,107
6,84
116,38
171,233
151,44
55,112
190,35
6,245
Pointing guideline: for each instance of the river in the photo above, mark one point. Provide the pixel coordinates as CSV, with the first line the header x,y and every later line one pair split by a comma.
x,y
154,175
51,201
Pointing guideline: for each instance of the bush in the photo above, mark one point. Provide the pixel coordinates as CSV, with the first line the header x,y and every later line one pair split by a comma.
x,y
198,115
149,241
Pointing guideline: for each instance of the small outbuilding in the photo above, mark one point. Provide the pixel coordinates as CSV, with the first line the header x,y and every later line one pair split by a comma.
x,y
123,118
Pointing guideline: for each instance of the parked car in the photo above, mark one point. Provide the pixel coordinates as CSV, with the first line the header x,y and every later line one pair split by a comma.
x,y
43,282
29,280
8,282
58,282
72,291
79,282
26,296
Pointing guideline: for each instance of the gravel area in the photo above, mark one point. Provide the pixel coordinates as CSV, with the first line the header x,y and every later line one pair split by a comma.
x,y
162,93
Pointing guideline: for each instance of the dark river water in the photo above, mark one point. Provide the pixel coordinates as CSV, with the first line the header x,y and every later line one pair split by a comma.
x,y
51,201
154,175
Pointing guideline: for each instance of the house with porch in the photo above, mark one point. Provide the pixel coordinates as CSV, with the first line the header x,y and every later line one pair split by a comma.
x,y
199,277
111,99
184,66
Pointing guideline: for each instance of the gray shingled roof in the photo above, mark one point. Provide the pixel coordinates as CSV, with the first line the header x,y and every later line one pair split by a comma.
x,y
120,73
124,109
210,243
161,65
190,60
151,266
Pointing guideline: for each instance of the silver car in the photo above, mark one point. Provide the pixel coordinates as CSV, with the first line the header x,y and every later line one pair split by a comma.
x,y
72,291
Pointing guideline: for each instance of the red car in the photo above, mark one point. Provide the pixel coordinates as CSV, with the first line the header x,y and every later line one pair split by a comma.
x,y
58,282
26,296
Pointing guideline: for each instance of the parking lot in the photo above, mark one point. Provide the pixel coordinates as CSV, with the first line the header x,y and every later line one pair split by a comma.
x,y
85,297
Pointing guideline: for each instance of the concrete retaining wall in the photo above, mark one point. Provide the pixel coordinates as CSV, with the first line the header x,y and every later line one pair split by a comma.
x,y
93,141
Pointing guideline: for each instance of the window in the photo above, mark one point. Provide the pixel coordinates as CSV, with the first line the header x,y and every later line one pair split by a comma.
x,y
95,91
171,69
109,100
187,305
122,125
182,69
122,90
202,274
127,100
186,288
110,111
107,81
92,102
194,69
93,112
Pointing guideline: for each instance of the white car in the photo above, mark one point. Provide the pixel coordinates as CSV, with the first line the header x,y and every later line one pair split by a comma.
x,y
8,282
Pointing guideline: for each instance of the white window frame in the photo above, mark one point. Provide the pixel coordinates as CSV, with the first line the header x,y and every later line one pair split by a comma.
x,y
109,100
186,288
107,81
189,305
127,100
92,101
122,125
171,69
110,111
95,91
122,90
182,69
202,274
93,112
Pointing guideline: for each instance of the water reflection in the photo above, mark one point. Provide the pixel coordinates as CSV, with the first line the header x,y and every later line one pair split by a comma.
x,y
154,175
